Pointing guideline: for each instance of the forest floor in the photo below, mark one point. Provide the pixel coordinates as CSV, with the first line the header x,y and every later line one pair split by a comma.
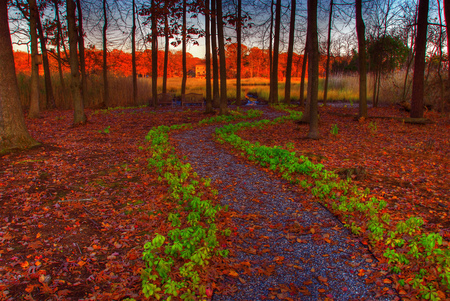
x,y
77,210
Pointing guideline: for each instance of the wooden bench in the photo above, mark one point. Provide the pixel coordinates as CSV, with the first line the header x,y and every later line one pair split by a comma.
x,y
165,99
192,98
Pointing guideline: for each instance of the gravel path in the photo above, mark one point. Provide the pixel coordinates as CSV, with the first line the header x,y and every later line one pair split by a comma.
x,y
287,247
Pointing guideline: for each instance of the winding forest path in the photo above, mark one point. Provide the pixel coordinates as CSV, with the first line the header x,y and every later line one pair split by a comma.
x,y
285,245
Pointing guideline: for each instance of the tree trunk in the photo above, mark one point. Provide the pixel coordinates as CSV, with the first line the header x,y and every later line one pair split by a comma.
x,y
209,107
360,31
183,80
50,99
313,70
239,52
13,131
166,50
327,69
223,71
276,47
287,87
215,63
302,82
75,85
271,52
105,58
154,56
133,53
58,50
81,52
447,25
419,62
34,111
375,85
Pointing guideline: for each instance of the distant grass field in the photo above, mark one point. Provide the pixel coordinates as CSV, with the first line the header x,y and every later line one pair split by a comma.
x,y
340,88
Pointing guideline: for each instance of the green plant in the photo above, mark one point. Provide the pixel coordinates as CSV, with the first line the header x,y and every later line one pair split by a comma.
x,y
373,127
334,130
105,130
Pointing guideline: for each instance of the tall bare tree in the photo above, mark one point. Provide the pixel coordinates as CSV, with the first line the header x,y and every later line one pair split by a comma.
x,y
361,33
105,55
215,63
287,87
419,62
81,51
50,99
58,48
447,24
239,52
34,111
313,70
327,69
166,46
302,81
223,71
154,54
133,52
75,85
13,131
209,107
276,47
184,29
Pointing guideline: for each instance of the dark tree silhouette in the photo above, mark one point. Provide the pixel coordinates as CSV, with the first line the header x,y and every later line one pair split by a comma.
x,y
13,131
215,63
327,68
34,111
287,87
209,107
75,85
50,99
360,31
276,47
105,57
419,62
223,68
313,70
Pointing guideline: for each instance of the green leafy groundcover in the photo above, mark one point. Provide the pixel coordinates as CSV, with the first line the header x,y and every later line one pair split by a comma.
x,y
404,244
175,263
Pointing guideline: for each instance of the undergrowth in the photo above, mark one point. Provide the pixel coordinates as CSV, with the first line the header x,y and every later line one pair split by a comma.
x,y
405,247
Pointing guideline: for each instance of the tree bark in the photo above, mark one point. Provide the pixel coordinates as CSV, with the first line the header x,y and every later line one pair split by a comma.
x,y
360,30
215,63
287,87
327,69
184,78
81,52
166,50
313,70
154,55
133,53
419,62
13,131
239,52
447,26
50,98
34,111
271,51
223,109
75,85
58,49
276,47
302,82
209,107
105,57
